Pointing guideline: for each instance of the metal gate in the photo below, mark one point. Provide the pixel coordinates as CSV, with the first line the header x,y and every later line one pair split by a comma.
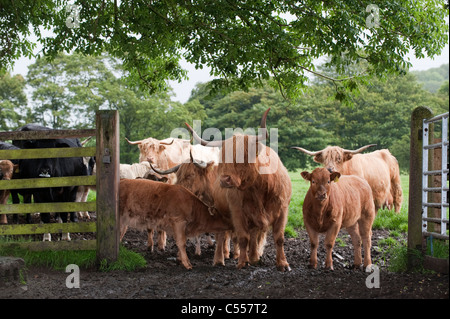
x,y
428,187
435,177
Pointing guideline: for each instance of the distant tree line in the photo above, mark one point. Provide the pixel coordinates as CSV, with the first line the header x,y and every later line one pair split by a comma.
x,y
66,93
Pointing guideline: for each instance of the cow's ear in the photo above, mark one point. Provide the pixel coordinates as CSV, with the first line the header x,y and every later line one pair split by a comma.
x,y
164,179
335,176
318,158
306,175
162,148
16,168
347,156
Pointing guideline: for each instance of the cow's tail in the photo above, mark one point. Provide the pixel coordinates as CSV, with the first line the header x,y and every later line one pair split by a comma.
x,y
396,187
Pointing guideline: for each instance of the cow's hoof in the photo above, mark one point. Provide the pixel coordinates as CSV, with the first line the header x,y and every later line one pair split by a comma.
x,y
242,265
219,263
284,268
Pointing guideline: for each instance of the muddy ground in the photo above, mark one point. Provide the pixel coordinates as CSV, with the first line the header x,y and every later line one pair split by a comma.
x,y
165,278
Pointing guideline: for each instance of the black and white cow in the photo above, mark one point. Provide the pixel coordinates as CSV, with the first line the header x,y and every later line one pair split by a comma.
x,y
51,167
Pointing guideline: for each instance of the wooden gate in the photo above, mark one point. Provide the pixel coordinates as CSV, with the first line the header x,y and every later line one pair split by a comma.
x,y
106,181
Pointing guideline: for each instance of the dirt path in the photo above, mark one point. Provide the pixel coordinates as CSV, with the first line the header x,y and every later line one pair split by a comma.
x,y
164,278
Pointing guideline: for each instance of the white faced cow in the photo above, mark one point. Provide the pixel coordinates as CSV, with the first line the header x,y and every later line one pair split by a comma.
x,y
170,152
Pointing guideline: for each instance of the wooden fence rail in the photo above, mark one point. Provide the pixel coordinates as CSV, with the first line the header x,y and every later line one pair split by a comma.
x,y
106,181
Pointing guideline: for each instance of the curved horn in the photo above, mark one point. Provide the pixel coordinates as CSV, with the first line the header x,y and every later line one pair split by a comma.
x,y
86,140
133,143
261,137
202,141
169,171
263,126
165,143
306,151
359,150
200,164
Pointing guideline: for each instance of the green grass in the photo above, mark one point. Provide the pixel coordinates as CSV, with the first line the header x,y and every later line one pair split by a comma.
x,y
128,260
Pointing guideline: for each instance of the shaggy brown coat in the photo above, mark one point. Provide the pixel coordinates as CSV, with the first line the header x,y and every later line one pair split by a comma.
x,y
331,204
380,169
258,194
204,183
146,205
6,173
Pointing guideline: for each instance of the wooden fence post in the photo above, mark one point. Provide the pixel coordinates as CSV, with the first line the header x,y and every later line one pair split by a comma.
x,y
107,161
415,184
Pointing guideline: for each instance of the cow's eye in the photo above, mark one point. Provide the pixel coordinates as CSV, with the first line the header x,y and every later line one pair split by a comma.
x,y
312,181
328,182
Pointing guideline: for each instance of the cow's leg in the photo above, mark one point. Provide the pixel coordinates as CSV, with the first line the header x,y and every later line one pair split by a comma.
x,y
255,236
365,230
4,198
150,233
198,248
45,218
162,238
179,229
82,195
219,256
356,240
330,239
278,237
123,230
243,238
314,243
225,244
236,250
243,248
63,217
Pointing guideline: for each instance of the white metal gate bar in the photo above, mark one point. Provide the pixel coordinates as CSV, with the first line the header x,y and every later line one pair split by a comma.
x,y
443,189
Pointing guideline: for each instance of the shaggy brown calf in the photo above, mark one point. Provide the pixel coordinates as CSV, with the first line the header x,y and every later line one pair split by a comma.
x,y
146,205
380,169
6,173
202,179
331,204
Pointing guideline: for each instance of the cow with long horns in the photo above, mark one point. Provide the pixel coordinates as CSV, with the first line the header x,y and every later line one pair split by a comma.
x,y
170,152
380,169
202,179
258,193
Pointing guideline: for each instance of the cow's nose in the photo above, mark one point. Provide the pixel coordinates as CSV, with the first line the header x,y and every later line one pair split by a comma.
x,y
225,181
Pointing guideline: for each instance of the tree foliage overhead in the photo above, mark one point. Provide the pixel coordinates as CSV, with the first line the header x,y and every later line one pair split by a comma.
x,y
243,42
380,114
